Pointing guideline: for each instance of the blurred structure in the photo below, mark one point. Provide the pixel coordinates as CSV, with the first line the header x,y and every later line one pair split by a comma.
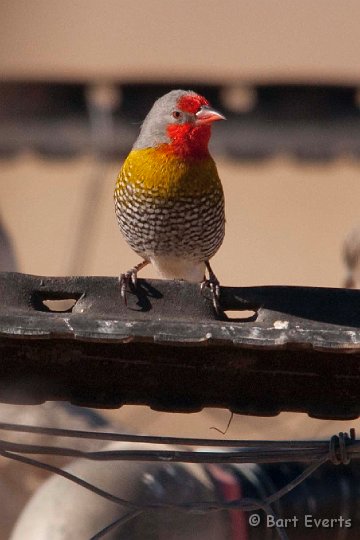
x,y
20,481
84,513
62,510
7,254
284,89
351,255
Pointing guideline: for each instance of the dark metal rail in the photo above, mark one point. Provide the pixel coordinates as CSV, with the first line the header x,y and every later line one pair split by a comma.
x,y
297,350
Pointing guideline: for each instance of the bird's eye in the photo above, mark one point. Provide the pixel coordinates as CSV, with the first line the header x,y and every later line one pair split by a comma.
x,y
177,115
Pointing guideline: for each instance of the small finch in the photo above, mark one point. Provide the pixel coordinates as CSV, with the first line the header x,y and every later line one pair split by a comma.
x,y
169,200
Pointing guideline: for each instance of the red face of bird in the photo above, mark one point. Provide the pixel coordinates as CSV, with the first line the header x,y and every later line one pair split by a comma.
x,y
181,120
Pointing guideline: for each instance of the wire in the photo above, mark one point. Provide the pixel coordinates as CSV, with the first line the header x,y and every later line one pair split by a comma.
x,y
338,450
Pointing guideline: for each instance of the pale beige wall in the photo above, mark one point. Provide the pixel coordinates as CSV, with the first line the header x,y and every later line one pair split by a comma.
x,y
203,40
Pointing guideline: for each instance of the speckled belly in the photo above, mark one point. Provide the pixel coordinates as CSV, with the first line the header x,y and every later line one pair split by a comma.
x,y
192,228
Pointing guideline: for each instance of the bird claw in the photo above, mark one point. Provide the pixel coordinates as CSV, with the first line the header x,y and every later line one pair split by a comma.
x,y
213,284
127,279
214,287
133,278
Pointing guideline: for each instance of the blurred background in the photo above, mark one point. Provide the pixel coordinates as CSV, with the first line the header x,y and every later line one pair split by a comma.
x,y
76,80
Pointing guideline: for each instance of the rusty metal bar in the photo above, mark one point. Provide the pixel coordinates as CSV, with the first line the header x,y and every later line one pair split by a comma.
x,y
297,350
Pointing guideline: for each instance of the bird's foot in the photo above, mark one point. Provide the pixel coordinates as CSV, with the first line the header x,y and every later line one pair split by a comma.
x,y
213,284
126,280
129,279
215,293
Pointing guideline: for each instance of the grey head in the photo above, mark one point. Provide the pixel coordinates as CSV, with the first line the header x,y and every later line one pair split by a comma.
x,y
154,128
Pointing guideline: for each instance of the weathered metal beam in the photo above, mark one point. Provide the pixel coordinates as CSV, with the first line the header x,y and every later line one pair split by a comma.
x,y
298,349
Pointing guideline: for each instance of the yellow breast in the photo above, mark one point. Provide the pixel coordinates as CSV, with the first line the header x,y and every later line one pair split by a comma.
x,y
156,171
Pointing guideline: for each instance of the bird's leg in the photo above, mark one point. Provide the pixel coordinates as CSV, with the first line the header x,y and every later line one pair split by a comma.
x,y
130,278
213,283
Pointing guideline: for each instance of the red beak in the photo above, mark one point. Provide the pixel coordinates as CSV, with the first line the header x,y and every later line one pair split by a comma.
x,y
207,115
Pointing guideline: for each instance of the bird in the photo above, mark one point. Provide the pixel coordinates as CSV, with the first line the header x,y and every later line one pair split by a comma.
x,y
169,200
